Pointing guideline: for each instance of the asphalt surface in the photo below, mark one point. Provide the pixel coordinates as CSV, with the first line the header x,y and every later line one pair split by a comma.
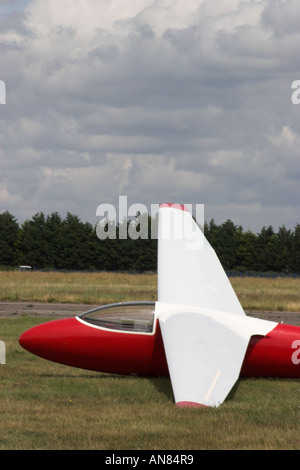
x,y
15,309
59,310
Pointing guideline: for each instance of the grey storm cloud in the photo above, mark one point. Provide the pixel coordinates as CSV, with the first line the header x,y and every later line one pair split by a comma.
x,y
159,100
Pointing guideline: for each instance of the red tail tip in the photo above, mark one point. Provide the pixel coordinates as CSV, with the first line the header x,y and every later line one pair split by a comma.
x,y
190,404
173,205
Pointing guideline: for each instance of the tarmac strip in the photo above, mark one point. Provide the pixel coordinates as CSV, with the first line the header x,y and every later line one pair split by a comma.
x,y
12,309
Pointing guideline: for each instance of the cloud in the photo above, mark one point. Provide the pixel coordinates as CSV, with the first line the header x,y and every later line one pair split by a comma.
x,y
158,100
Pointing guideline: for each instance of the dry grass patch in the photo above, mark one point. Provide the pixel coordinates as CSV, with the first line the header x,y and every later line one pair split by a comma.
x,y
89,288
263,294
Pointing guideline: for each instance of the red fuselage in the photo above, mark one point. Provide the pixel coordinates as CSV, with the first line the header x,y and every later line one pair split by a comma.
x,y
76,343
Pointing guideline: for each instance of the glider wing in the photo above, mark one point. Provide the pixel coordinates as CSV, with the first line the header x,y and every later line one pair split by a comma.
x,y
205,351
204,327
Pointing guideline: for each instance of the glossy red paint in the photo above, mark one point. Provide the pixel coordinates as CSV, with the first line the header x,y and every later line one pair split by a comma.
x,y
273,355
189,404
174,206
75,343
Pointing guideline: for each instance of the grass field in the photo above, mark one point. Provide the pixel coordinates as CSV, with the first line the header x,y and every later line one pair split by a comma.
x,y
275,294
86,288
49,406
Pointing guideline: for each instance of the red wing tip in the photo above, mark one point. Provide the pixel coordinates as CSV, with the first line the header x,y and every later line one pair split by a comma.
x,y
174,206
190,404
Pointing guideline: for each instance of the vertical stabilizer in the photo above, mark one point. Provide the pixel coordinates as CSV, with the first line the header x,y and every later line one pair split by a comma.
x,y
189,271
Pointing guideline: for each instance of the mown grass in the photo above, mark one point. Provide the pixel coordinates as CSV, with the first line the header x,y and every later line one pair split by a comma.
x,y
49,406
268,294
76,287
263,294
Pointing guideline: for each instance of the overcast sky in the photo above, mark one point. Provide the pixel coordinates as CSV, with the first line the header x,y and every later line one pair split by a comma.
x,y
183,101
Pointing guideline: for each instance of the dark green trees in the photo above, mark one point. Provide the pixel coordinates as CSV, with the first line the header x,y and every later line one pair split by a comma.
x,y
8,235
266,251
70,244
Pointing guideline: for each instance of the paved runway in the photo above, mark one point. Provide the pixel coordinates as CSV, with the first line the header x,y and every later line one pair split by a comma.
x,y
15,309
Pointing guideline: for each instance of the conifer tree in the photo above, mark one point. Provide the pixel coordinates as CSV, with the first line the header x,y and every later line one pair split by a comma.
x,y
9,229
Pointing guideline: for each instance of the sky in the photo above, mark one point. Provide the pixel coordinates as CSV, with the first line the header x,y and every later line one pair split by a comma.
x,y
156,100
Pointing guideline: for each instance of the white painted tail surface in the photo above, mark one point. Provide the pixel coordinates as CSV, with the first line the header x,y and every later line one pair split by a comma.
x,y
189,271
204,327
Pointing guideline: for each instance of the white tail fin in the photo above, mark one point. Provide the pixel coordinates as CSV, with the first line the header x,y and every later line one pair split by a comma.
x,y
205,330
189,271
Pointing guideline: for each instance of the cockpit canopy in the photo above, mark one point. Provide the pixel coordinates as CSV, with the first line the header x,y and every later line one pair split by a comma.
x,y
124,316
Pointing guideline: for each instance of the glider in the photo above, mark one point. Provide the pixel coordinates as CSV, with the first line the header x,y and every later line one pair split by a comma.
x,y
197,332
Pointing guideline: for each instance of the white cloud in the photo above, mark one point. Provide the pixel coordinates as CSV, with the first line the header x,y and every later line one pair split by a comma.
x,y
157,99
286,137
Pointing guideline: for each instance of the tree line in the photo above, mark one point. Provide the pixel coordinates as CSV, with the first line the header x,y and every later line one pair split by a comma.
x,y
53,242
